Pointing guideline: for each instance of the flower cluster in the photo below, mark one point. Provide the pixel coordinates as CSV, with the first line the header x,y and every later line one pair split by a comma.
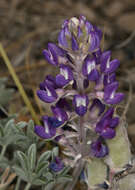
x,y
83,94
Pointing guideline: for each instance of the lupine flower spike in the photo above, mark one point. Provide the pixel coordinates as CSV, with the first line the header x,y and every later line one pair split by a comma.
x,y
82,96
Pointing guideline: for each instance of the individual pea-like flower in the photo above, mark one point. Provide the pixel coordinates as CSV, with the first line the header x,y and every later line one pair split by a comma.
x,y
110,95
81,103
47,131
107,124
57,165
53,53
48,94
65,76
89,69
96,108
60,114
108,66
99,148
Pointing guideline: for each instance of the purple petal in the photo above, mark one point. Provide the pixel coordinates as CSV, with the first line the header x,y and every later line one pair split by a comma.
x,y
108,133
61,81
112,66
114,122
88,65
105,60
94,41
94,75
80,102
62,38
81,110
74,44
47,96
109,91
54,122
109,78
45,132
108,113
49,58
116,100
60,114
98,149
57,165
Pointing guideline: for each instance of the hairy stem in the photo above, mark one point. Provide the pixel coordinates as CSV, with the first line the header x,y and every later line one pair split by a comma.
x,y
76,175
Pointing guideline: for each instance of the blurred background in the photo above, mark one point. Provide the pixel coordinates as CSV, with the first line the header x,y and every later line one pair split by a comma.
x,y
26,26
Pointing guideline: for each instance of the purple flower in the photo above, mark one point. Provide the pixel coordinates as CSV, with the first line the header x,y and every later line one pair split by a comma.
x,y
52,54
106,126
89,69
80,102
65,76
47,131
99,149
109,78
49,81
110,95
97,108
57,165
108,66
60,114
47,95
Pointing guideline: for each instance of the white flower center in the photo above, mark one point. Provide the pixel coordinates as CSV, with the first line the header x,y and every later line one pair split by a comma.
x,y
90,66
48,92
46,128
108,63
80,102
112,95
64,73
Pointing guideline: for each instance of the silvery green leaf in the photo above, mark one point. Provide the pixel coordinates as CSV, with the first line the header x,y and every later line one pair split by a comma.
x,y
64,171
32,156
39,182
44,157
50,185
9,125
30,129
41,168
55,152
119,149
20,173
64,179
21,125
23,160
127,183
48,176
96,172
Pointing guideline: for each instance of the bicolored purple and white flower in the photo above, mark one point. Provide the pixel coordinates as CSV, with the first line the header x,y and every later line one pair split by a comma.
x,y
49,81
96,108
98,148
65,76
57,165
108,66
89,69
53,53
80,103
110,95
107,124
48,94
109,78
60,114
47,131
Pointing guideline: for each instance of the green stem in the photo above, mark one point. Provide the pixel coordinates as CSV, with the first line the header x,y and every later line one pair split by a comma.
x,y
28,186
18,183
2,152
